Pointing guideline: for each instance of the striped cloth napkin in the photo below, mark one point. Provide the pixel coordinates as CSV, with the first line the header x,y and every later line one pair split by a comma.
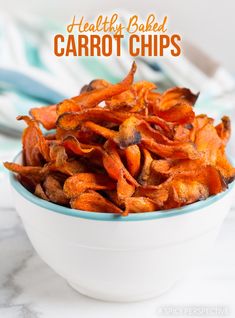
x,y
30,76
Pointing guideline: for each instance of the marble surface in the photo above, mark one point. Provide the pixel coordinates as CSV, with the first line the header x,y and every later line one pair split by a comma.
x,y
30,289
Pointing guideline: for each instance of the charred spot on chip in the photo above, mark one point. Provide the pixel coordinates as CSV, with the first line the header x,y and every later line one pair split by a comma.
x,y
132,140
192,97
188,126
229,180
227,122
97,84
84,89
189,96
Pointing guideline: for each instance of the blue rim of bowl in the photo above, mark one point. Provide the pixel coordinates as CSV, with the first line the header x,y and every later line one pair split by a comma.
x,y
101,216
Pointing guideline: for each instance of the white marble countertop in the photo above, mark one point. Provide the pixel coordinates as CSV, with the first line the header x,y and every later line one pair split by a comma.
x,y
30,289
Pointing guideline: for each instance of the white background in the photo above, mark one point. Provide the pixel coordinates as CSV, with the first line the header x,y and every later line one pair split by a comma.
x,y
208,23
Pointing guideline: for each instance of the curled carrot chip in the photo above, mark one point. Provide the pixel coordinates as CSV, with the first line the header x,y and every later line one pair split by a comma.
x,y
195,185
105,132
166,126
171,167
46,116
81,182
113,164
180,151
39,192
58,154
157,194
208,142
224,166
73,120
139,204
93,202
186,191
133,159
162,166
68,105
84,136
214,180
175,105
133,100
180,113
29,182
224,129
34,143
183,132
124,189
148,132
146,169
70,167
24,170
176,95
54,190
72,143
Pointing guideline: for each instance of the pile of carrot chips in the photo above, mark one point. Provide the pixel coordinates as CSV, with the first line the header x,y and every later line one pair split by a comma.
x,y
124,148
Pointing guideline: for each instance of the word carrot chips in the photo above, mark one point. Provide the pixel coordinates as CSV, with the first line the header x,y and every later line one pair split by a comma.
x,y
124,148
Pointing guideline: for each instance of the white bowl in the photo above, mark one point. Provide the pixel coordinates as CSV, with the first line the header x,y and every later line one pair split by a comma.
x,y
116,258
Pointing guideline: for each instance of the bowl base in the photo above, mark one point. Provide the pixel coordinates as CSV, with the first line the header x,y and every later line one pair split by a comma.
x,y
117,298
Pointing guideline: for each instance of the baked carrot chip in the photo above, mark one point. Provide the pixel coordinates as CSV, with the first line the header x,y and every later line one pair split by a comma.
x,y
180,113
73,120
208,142
68,105
158,195
177,95
124,148
124,189
72,143
39,192
92,201
146,167
46,116
54,190
224,166
114,165
35,146
174,105
224,129
133,159
24,170
134,99
139,204
100,130
180,151
81,182
58,154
